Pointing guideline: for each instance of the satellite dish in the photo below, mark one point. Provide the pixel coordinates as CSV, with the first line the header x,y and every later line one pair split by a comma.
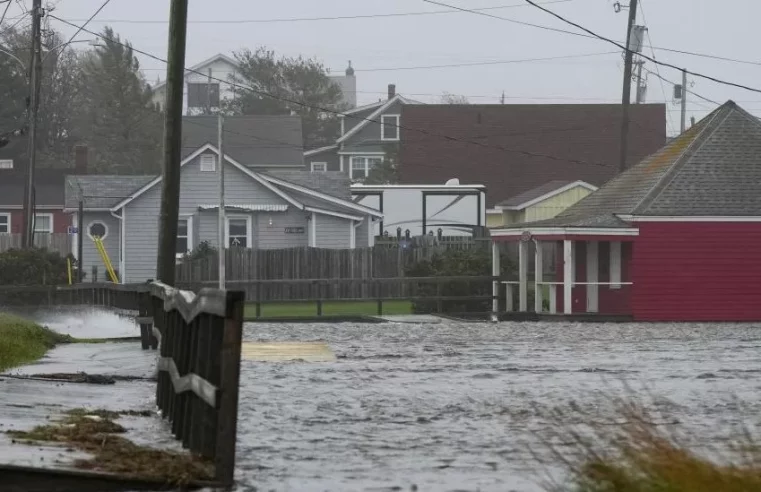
x,y
452,182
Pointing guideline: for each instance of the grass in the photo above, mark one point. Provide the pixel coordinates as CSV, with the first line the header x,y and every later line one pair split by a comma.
x,y
22,341
638,454
306,310
96,432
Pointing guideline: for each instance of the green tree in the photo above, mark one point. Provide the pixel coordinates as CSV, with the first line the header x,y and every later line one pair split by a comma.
x,y
387,172
288,85
117,118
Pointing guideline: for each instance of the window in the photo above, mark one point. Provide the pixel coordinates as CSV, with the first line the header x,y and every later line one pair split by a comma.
x,y
184,234
43,223
319,167
390,127
5,223
361,166
97,229
6,163
239,231
201,95
208,163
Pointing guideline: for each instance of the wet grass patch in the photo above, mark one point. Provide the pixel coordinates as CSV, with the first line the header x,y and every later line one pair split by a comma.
x,y
641,451
96,432
22,341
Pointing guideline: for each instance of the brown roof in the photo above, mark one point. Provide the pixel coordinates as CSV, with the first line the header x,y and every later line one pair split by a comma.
x,y
520,147
712,169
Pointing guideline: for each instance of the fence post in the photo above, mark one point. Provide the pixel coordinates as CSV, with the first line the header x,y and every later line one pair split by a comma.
x,y
439,303
229,384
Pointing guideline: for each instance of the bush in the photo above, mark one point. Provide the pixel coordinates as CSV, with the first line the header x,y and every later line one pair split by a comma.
x,y
203,251
34,266
457,263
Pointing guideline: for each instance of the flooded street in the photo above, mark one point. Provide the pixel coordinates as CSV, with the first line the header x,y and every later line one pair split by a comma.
x,y
458,406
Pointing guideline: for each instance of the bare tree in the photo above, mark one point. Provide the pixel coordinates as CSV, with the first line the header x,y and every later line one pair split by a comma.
x,y
448,98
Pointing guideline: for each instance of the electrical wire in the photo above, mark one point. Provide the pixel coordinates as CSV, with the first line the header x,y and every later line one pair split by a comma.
x,y
626,49
657,68
307,19
664,79
5,12
88,21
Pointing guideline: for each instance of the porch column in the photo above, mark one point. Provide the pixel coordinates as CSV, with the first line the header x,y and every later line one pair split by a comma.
x,y
593,291
538,277
568,276
523,276
495,271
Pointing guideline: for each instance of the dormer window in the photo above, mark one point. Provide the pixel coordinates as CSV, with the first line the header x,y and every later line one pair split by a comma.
x,y
208,163
390,127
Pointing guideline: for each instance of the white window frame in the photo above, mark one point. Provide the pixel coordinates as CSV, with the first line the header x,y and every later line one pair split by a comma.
x,y
8,217
52,225
208,159
366,166
105,235
249,229
324,166
189,220
396,118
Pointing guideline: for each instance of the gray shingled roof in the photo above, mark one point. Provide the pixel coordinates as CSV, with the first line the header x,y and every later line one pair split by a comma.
x,y
250,140
333,183
712,169
533,194
100,191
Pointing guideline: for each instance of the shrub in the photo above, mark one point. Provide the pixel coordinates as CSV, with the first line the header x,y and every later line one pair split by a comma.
x,y
457,263
34,266
203,251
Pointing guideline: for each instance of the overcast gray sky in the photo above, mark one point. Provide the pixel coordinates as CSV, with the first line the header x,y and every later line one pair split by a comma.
x,y
726,28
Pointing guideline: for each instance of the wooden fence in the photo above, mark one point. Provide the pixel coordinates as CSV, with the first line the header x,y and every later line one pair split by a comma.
x,y
199,338
59,242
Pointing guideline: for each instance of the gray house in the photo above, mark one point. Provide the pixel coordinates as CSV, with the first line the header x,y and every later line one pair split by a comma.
x,y
366,134
269,203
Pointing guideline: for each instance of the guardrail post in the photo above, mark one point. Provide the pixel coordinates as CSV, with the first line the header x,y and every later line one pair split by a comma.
x,y
229,385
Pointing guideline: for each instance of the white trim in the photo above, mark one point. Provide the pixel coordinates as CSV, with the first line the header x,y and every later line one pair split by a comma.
x,y
312,164
523,276
341,163
36,207
538,276
320,150
197,68
615,265
257,177
493,211
323,196
372,154
362,108
189,221
550,194
273,167
352,235
366,169
8,216
566,231
398,119
249,229
211,160
92,223
75,239
366,187
332,213
568,268
123,246
370,232
313,230
372,118
702,218
76,210
52,223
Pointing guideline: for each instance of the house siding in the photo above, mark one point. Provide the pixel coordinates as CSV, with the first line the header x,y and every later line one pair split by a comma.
x,y
350,121
362,239
196,188
332,232
697,271
61,220
329,156
112,243
543,210
274,236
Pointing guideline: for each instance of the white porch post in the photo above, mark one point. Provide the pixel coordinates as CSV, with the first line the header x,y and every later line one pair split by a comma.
x,y
593,291
538,277
495,270
523,276
568,276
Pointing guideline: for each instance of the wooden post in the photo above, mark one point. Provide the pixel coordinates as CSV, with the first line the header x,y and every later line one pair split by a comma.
x,y
538,277
80,240
170,185
229,383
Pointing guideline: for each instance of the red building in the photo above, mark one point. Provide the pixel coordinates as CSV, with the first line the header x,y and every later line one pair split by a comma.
x,y
676,237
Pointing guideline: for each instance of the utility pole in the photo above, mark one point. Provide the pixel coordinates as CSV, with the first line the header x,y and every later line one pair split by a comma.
x,y
221,171
80,237
208,94
170,185
626,96
684,101
27,239
640,95
502,99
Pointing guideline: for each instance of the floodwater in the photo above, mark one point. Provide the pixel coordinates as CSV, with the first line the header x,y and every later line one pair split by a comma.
x,y
458,407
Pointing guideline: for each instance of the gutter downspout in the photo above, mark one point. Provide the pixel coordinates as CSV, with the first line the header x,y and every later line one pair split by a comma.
x,y
122,242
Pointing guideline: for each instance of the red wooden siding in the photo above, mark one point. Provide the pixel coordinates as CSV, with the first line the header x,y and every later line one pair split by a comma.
x,y
697,271
61,221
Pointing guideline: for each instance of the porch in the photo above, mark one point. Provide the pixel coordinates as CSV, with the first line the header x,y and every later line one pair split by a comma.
x,y
592,276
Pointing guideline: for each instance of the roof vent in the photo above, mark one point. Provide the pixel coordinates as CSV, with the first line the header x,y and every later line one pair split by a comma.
x,y
452,182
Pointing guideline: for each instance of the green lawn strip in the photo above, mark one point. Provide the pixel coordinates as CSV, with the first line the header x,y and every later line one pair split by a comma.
x,y
23,341
309,309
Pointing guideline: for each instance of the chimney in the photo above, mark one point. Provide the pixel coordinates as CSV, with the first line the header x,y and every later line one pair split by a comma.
x,y
80,159
391,91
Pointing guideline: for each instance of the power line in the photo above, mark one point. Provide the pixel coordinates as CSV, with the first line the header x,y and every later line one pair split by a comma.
x,y
657,68
626,49
664,79
5,12
88,21
338,113
308,19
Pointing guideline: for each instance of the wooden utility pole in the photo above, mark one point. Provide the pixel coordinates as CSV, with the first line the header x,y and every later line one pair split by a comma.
x,y
683,125
170,184
222,244
626,96
35,78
